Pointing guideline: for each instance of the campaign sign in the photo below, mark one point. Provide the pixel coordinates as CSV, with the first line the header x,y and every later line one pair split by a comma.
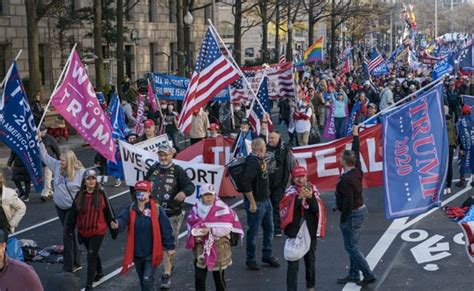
x,y
153,144
174,88
415,151
137,162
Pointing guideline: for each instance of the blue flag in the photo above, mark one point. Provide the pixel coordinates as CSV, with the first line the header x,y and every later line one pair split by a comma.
x,y
377,66
120,131
18,128
352,118
415,151
467,59
444,66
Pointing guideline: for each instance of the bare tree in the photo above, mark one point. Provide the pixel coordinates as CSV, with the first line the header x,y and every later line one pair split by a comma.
x,y
99,61
317,10
35,11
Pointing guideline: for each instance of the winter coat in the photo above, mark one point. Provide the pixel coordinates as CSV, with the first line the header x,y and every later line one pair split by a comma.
x,y
19,171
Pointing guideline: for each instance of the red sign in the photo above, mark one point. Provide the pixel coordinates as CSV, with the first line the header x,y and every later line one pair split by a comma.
x,y
323,160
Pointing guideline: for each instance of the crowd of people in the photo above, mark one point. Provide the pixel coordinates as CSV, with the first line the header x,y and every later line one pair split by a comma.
x,y
278,196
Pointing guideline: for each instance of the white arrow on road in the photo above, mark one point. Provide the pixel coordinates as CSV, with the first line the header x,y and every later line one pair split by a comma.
x,y
423,252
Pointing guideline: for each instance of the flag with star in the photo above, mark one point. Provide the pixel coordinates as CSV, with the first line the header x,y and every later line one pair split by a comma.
x,y
212,73
260,106
415,153
17,126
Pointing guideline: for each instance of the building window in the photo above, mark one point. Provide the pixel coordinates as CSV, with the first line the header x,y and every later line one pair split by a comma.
x,y
207,13
152,10
226,29
152,57
172,10
3,61
173,56
249,52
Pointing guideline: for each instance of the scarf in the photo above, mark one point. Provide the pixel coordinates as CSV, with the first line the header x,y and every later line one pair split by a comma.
x,y
157,253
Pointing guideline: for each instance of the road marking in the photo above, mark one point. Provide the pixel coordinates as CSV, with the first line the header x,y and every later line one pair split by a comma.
x,y
56,218
397,226
117,271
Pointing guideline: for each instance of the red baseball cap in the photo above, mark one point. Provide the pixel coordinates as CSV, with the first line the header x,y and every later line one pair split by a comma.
x,y
466,109
149,123
299,171
146,186
214,126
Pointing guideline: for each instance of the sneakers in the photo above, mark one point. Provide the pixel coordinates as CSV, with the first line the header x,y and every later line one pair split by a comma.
x,y
165,281
118,183
366,282
25,199
346,280
76,268
278,233
272,261
252,265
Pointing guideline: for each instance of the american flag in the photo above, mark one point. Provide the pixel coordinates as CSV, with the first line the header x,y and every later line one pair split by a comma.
x,y
238,89
212,73
286,81
257,111
375,60
282,58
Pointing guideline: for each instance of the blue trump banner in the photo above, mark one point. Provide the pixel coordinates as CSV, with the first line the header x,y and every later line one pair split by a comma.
x,y
169,87
18,128
415,151
444,66
120,130
464,129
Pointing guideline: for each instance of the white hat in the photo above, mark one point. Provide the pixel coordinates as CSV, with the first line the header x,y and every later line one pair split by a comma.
x,y
208,189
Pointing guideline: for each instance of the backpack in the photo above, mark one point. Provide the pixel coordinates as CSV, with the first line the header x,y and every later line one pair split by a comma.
x,y
236,171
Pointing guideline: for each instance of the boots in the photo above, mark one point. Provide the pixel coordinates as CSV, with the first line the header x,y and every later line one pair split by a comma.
x,y
461,183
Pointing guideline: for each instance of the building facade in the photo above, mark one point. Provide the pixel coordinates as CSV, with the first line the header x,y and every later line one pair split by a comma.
x,y
150,39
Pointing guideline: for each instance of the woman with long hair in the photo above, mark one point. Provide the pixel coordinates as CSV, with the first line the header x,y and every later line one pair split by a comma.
x,y
67,174
91,213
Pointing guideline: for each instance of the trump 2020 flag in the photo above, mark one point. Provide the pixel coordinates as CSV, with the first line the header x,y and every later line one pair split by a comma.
x,y
76,101
415,151
444,66
18,128
120,130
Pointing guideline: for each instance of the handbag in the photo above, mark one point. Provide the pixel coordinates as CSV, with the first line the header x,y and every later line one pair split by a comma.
x,y
296,248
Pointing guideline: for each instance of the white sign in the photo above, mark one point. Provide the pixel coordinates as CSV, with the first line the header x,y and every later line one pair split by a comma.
x,y
137,162
153,144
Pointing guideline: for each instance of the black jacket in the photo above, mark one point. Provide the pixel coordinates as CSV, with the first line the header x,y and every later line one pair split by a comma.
x,y
51,146
256,178
167,183
349,187
19,171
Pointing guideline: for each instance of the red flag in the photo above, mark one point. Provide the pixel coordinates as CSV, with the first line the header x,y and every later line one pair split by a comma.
x,y
151,98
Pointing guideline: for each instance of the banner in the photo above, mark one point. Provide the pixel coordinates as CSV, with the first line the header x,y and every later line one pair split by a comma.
x,y
216,151
330,126
18,128
76,101
415,155
323,160
169,87
153,144
136,162
444,66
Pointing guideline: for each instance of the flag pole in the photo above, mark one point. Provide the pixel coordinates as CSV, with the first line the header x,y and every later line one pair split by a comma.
x,y
234,63
403,99
15,59
57,85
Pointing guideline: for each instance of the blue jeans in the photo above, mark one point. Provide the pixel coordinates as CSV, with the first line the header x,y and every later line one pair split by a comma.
x,y
340,123
262,217
146,272
351,234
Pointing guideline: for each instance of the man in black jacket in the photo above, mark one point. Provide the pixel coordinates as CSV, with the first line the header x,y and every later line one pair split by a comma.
x,y
171,185
258,206
278,176
52,148
350,203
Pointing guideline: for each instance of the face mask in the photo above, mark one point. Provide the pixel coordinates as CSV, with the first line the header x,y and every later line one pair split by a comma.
x,y
163,106
141,196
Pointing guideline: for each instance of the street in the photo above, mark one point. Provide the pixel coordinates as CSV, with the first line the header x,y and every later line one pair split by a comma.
x,y
420,253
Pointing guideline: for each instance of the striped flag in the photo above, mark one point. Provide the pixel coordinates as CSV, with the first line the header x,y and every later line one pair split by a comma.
x,y
377,66
282,58
212,73
259,106
238,89
286,81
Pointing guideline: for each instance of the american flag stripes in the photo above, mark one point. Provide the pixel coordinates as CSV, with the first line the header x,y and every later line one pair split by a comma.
x,y
375,60
282,58
212,73
260,106
238,89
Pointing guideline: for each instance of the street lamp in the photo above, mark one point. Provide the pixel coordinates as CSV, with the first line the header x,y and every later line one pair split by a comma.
x,y
188,20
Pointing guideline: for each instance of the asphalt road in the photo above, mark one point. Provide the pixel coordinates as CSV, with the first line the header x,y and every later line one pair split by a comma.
x,y
420,253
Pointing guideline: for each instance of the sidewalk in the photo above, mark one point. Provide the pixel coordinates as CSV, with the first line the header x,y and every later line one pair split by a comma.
x,y
74,142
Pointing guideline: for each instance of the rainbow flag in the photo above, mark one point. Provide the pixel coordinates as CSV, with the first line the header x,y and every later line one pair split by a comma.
x,y
315,53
